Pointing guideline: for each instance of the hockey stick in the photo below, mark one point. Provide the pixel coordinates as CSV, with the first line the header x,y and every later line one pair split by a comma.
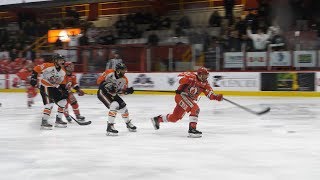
x,y
79,122
247,109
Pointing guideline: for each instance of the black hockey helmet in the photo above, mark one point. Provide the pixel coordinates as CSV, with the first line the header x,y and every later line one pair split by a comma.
x,y
121,69
121,66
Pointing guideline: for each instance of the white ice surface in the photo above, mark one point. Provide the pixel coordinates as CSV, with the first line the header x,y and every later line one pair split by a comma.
x,y
281,145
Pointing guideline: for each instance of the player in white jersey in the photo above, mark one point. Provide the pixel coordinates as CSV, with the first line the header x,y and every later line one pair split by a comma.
x,y
111,84
52,89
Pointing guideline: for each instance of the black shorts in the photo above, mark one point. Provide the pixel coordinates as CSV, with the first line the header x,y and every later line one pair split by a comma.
x,y
52,94
107,99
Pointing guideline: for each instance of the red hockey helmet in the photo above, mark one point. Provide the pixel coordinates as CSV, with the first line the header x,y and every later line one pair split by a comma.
x,y
69,66
202,74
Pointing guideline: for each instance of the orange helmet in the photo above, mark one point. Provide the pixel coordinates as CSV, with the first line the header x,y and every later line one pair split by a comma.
x,y
202,74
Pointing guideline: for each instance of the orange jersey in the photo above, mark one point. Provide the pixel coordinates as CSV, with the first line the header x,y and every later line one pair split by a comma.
x,y
51,77
71,81
192,87
109,76
24,74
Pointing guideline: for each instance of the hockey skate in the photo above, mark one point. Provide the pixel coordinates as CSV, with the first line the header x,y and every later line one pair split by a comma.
x,y
194,133
80,118
111,131
69,119
29,104
45,125
59,123
131,127
155,122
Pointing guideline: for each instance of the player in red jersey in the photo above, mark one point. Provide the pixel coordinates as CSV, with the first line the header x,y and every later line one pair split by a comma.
x,y
191,86
71,83
24,74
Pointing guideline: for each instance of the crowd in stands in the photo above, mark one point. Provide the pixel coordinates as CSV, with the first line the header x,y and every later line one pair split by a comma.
x,y
255,30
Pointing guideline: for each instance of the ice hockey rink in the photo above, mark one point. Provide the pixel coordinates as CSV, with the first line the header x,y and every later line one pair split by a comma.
x,y
236,145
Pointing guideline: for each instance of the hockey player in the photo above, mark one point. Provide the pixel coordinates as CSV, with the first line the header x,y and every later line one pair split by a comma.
x,y
111,84
191,86
71,83
25,74
52,89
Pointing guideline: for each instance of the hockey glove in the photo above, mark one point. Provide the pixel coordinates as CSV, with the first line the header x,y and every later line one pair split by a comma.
x,y
33,82
218,97
79,91
129,90
34,79
64,92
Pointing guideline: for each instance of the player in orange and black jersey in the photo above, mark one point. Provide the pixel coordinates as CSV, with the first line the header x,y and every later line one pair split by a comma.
x,y
71,83
111,84
52,89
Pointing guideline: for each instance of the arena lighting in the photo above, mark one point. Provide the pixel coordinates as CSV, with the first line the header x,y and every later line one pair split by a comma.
x,y
62,34
10,2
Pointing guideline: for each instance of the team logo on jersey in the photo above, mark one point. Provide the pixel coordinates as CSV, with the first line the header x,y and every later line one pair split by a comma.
x,y
193,90
52,77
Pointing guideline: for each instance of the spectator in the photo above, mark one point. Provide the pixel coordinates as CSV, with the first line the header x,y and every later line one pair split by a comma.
x,y
184,22
13,54
72,12
111,64
153,39
260,40
228,7
74,39
215,19
29,54
108,38
246,43
84,40
233,42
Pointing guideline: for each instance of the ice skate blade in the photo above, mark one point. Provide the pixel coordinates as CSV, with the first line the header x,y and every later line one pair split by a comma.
x,y
194,135
111,134
154,124
45,128
60,126
132,130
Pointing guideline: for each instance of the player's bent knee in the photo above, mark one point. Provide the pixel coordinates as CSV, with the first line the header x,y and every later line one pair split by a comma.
x,y
114,105
62,103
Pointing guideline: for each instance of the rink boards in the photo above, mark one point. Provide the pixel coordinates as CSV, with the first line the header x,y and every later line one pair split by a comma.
x,y
229,83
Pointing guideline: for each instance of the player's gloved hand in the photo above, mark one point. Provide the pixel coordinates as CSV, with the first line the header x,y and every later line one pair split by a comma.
x,y
129,90
218,97
80,92
64,92
33,82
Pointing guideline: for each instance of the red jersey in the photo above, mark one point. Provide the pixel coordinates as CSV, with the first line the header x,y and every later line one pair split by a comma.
x,y
24,74
71,81
192,87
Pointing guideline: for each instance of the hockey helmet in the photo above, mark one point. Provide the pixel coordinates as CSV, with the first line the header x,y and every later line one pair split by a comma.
x,y
69,66
58,59
121,69
202,74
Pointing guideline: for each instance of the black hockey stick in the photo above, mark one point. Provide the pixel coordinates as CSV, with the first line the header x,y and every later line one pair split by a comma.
x,y
247,109
79,122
